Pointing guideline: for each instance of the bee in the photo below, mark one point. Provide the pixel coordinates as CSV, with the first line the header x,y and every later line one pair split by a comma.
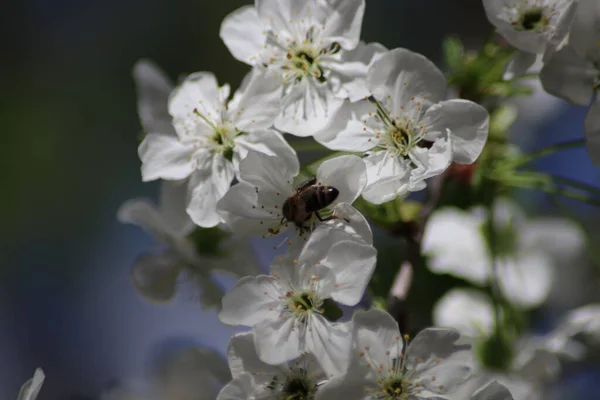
x,y
308,201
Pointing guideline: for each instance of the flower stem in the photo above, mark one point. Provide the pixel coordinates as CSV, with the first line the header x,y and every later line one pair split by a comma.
x,y
529,157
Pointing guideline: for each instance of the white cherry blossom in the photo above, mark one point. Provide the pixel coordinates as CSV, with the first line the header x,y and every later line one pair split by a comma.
x,y
534,27
527,258
155,275
259,203
211,136
285,308
313,46
435,363
407,130
573,73
252,378
31,388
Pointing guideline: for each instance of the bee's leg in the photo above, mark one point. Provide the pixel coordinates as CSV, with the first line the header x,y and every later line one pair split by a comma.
x,y
330,217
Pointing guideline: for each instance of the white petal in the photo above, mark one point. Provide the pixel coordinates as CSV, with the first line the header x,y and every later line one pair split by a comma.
x,y
243,358
207,188
567,75
144,214
525,279
31,388
173,201
336,230
307,108
353,264
351,70
585,29
165,157
429,162
344,21
330,343
387,177
269,173
243,34
453,241
442,353
252,300
243,211
345,173
519,65
466,310
350,386
584,320
155,275
241,388
278,340
269,142
257,102
401,66
199,91
346,130
592,132
492,391
562,239
468,123
153,90
377,334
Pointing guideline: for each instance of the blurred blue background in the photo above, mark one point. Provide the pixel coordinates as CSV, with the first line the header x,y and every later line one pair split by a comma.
x,y
68,149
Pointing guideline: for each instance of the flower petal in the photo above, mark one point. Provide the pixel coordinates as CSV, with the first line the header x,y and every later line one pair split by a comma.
x,y
346,131
467,310
269,173
519,65
344,21
251,301
468,123
387,177
144,214
442,353
526,278
31,388
155,275
307,108
173,201
418,77
257,102
377,335
278,340
240,388
330,343
165,157
569,76
199,91
345,173
492,391
592,132
243,358
243,34
429,162
585,29
271,143
153,90
352,264
207,188
454,244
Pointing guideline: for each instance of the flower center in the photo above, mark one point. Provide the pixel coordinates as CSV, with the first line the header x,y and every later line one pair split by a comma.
x,y
302,304
223,138
296,385
302,58
532,19
394,387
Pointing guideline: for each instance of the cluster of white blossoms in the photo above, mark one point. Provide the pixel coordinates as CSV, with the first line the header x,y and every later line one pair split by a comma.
x,y
228,173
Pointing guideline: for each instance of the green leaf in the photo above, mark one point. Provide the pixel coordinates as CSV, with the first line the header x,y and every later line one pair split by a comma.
x,y
454,52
